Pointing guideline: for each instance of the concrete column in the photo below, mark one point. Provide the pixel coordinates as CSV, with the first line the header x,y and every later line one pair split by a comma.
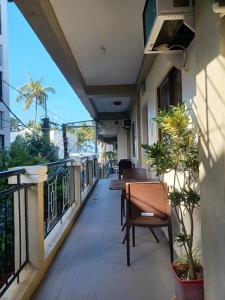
x,y
90,168
35,177
138,130
210,99
77,182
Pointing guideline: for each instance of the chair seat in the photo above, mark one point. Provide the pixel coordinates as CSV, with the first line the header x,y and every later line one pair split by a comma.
x,y
148,221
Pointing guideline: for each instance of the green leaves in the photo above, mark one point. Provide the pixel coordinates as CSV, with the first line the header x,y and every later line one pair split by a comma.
x,y
182,239
159,157
188,198
84,135
34,91
177,151
173,121
27,150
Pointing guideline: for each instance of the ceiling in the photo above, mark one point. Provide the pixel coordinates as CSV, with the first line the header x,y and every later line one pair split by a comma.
x,y
98,46
108,104
105,36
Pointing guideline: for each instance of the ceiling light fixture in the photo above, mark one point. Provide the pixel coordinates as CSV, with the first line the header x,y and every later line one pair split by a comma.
x,y
116,103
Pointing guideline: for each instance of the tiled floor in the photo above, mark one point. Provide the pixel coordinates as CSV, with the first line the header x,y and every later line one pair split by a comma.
x,y
92,262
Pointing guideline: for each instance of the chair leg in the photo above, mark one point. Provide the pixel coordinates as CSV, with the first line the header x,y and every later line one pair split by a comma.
x,y
124,225
133,236
170,241
128,244
153,233
124,239
123,205
121,211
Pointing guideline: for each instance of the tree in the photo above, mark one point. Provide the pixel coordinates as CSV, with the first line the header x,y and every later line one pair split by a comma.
x,y
15,125
32,125
85,135
34,91
177,153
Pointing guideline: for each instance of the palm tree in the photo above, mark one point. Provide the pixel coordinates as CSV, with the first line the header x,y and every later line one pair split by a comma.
x,y
34,91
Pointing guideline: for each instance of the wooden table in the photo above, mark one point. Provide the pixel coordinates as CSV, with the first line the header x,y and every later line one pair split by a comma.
x,y
120,184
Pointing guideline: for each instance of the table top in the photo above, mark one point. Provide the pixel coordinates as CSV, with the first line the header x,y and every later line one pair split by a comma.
x,y
120,184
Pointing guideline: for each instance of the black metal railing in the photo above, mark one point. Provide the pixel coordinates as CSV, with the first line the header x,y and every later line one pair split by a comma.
x,y
84,173
59,192
95,167
13,229
104,170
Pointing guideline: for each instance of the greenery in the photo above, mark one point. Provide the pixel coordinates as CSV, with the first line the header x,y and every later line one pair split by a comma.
x,y
84,135
30,149
34,91
15,125
110,155
177,152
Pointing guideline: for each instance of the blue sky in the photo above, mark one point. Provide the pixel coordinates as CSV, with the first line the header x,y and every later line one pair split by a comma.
x,y
28,56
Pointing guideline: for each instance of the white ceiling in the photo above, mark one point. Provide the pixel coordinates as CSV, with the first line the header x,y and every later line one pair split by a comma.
x,y
115,25
106,104
108,128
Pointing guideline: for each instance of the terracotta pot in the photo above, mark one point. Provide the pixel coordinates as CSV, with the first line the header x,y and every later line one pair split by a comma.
x,y
188,289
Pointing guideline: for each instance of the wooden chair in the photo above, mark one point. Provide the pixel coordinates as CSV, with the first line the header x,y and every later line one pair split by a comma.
x,y
124,164
133,173
147,206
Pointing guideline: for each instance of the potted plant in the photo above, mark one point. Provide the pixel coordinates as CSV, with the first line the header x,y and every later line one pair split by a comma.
x,y
111,156
176,155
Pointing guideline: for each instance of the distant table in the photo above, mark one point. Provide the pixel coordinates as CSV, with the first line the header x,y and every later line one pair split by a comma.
x,y
120,184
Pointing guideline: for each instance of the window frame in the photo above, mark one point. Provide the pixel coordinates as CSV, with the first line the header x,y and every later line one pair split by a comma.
x,y
2,141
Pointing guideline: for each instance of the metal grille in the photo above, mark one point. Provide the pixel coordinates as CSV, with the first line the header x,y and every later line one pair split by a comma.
x,y
59,193
13,229
84,173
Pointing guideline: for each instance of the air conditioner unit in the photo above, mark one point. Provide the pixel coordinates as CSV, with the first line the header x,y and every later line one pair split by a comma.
x,y
168,23
126,123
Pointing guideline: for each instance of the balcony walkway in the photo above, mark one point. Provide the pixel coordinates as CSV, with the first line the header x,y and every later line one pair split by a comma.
x,y
91,265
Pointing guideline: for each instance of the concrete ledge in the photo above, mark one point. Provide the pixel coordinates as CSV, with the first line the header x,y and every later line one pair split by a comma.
x,y
31,278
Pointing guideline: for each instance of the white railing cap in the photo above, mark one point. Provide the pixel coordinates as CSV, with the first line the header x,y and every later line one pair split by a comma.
x,y
33,174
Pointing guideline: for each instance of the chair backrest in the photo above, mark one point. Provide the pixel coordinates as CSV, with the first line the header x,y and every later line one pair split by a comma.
x,y
124,164
150,197
135,173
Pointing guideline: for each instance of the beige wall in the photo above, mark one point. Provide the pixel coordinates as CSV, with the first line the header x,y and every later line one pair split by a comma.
x,y
122,143
135,118
210,99
203,86
158,72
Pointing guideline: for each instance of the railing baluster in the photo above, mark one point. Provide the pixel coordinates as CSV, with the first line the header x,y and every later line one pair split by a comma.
x,y
20,235
10,271
58,195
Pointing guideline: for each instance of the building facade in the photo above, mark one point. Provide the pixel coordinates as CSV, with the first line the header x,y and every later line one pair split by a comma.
x,y
4,91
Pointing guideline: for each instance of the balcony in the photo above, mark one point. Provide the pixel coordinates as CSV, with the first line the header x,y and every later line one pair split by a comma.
x,y
63,208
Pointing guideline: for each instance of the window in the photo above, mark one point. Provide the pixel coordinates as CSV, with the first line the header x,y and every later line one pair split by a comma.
x,y
170,90
2,142
145,124
1,55
1,120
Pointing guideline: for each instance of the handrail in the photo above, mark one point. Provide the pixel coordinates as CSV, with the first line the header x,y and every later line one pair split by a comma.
x,y
9,173
58,162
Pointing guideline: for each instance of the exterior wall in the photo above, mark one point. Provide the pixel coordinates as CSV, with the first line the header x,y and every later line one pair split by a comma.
x,y
203,90
122,143
135,119
4,69
210,99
